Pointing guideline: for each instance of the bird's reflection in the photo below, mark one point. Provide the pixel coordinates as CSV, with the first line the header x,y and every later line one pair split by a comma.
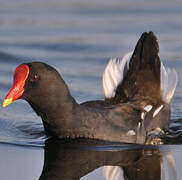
x,y
73,159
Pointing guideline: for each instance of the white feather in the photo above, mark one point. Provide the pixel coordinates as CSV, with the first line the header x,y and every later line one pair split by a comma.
x,y
169,79
148,108
114,74
107,81
142,115
157,110
116,70
131,133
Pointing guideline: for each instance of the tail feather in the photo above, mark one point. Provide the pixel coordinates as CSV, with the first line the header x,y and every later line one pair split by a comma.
x,y
169,80
146,54
114,73
140,75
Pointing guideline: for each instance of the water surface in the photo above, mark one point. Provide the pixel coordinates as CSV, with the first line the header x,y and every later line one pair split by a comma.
x,y
78,38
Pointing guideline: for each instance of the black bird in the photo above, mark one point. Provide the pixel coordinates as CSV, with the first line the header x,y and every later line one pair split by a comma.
x,y
138,92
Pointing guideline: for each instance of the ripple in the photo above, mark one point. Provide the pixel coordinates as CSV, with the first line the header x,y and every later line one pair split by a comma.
x,y
22,133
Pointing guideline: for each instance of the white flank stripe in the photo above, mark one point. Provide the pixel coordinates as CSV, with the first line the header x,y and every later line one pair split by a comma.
x,y
131,133
142,115
157,110
148,108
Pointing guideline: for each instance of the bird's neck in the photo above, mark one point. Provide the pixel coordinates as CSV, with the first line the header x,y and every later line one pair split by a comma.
x,y
56,109
58,119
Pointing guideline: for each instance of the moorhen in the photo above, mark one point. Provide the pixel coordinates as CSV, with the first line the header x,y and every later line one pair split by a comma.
x,y
138,92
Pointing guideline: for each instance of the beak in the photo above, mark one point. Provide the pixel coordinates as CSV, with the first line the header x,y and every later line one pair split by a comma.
x,y
20,76
7,102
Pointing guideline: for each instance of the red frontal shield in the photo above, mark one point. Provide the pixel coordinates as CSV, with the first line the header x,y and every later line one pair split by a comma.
x,y
20,76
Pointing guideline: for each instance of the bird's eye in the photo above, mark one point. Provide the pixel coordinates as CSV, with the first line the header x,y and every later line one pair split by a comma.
x,y
34,78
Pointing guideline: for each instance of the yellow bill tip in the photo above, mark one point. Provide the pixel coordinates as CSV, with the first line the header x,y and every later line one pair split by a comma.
x,y
7,102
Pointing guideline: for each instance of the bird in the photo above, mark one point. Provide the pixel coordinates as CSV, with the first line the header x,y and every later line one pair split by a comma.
x,y
138,90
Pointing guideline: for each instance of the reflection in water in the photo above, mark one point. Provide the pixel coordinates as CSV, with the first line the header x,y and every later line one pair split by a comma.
x,y
73,159
152,165
168,166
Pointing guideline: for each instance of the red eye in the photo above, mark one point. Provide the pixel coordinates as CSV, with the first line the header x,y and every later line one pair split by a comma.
x,y
34,78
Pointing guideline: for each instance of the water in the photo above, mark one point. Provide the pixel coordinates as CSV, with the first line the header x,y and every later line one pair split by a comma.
x,y
78,38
